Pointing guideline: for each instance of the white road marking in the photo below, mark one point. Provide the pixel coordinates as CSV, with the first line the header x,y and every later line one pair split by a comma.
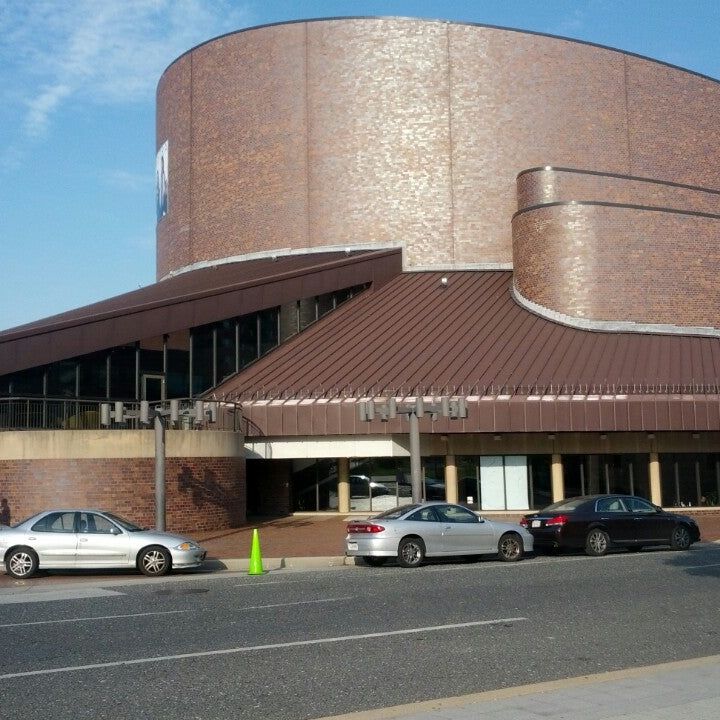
x,y
54,595
697,567
263,583
94,617
260,648
299,602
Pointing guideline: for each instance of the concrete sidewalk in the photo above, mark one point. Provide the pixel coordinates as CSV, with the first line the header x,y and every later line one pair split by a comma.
x,y
318,540
688,689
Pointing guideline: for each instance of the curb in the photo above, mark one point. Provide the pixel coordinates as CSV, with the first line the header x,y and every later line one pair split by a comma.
x,y
282,563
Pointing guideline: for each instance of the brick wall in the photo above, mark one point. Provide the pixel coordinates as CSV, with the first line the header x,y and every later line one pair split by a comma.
x,y
613,263
202,493
397,130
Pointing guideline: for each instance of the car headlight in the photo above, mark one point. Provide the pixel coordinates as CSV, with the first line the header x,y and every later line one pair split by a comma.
x,y
187,546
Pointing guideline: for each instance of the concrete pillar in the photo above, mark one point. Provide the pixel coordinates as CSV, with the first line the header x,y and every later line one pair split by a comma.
x,y
654,472
451,479
558,481
343,485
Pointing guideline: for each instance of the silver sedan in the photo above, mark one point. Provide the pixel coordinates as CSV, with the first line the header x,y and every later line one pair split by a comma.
x,y
90,539
411,533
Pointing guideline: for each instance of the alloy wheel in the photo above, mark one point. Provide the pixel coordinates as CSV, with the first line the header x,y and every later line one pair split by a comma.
x,y
21,564
154,562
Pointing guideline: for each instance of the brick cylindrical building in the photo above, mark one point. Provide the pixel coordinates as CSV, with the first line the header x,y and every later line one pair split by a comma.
x,y
401,132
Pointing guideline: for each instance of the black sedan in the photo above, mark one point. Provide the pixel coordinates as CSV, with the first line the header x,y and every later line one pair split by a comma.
x,y
596,523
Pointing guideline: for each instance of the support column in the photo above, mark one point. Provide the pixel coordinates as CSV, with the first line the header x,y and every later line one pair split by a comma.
x,y
558,481
343,489
451,479
654,472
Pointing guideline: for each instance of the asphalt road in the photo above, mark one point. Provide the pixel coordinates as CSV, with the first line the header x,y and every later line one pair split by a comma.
x,y
292,645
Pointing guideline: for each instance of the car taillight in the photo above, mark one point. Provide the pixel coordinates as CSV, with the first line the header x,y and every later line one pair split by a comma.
x,y
559,520
524,522
354,528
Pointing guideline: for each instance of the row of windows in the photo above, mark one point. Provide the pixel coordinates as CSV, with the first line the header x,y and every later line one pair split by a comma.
x,y
179,365
509,482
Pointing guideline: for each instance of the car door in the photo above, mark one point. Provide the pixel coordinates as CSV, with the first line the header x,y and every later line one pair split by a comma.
x,y
652,525
101,543
425,523
613,514
463,532
54,539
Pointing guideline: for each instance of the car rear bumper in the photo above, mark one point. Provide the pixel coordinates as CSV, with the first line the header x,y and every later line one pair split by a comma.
x,y
376,547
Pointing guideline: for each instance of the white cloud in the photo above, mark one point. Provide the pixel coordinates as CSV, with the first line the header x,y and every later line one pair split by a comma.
x,y
112,51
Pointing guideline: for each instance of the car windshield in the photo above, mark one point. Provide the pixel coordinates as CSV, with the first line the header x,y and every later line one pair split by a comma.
x,y
123,523
395,513
565,505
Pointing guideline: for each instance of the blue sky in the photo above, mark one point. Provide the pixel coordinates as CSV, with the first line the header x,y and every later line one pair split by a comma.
x,y
77,115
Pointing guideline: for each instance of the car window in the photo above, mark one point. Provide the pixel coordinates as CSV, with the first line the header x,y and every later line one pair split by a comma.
x,y
395,513
639,505
610,505
56,522
92,523
567,505
455,514
426,514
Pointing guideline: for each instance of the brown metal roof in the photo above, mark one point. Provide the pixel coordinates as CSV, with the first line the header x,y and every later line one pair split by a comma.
x,y
417,336
190,299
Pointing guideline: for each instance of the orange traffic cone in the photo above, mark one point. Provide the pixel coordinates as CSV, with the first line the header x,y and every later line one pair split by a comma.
x,y
256,566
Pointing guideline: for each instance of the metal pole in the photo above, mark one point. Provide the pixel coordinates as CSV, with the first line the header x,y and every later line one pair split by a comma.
x,y
415,467
159,473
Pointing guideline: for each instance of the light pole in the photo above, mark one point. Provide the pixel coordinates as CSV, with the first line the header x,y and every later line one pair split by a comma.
x,y
453,408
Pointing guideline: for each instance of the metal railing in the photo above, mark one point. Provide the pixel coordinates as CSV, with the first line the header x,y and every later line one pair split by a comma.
x,y
41,413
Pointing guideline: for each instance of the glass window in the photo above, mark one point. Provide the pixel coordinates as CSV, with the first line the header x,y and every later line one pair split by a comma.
x,y
56,522
61,379
202,359
638,505
454,514
151,362
177,379
248,339
27,382
613,505
225,349
122,373
93,523
93,375
625,474
289,321
307,312
690,479
268,330
325,304
425,515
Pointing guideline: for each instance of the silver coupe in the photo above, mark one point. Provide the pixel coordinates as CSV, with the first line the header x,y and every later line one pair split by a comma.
x,y
411,533
90,539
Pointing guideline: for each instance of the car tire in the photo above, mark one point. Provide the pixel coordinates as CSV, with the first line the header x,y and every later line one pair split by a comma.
x,y
374,561
597,542
510,547
680,538
21,563
154,561
411,552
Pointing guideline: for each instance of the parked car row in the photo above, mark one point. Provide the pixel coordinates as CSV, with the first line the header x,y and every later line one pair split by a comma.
x,y
593,523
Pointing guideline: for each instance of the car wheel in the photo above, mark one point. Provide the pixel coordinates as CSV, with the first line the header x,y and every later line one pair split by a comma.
x,y
411,552
374,561
680,538
510,547
597,542
21,563
154,561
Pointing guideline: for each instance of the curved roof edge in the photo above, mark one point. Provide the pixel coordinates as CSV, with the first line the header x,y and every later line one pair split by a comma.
x,y
447,22
609,326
